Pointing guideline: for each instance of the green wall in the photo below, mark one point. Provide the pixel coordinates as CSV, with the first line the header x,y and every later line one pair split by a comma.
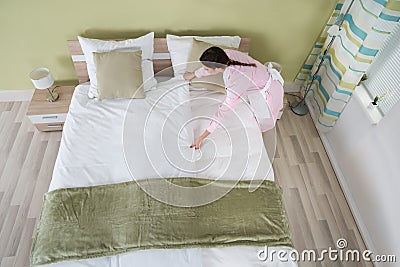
x,y
34,33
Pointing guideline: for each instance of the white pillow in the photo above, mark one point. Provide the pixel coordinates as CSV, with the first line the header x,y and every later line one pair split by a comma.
x,y
144,43
179,48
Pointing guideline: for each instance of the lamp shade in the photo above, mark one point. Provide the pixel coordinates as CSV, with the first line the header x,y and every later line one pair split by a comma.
x,y
41,78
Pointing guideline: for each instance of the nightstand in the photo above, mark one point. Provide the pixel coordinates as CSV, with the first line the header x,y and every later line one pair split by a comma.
x,y
50,116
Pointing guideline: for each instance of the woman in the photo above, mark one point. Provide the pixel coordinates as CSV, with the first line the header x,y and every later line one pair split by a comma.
x,y
243,75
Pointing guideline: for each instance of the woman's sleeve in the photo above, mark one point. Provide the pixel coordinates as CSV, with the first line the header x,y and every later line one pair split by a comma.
x,y
224,110
201,72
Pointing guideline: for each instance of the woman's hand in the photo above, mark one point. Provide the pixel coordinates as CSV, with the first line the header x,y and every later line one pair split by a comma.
x,y
197,143
188,76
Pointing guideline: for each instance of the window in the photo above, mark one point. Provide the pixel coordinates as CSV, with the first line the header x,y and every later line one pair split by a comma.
x,y
384,74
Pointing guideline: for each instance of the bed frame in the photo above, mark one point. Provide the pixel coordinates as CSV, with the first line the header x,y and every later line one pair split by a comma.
x,y
161,59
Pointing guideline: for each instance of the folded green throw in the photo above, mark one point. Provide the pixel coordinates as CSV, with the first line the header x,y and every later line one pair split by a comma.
x,y
89,222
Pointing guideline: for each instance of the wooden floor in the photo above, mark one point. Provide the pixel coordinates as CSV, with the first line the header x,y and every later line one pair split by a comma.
x,y
315,205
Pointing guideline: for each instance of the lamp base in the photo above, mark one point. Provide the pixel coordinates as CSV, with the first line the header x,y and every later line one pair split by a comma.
x,y
300,108
51,97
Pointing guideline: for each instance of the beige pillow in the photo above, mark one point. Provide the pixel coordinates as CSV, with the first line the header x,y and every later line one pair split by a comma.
x,y
212,82
119,74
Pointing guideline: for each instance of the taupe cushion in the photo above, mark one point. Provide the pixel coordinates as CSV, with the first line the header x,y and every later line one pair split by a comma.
x,y
119,74
212,82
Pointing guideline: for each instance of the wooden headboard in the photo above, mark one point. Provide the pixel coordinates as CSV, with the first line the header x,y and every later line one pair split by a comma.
x,y
161,60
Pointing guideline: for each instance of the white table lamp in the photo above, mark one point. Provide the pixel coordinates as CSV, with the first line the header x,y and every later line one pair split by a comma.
x,y
42,79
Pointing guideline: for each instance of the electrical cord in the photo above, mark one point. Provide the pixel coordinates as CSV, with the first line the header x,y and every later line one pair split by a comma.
x,y
293,94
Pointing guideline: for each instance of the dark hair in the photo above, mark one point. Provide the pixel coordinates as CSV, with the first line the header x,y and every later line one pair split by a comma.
x,y
215,57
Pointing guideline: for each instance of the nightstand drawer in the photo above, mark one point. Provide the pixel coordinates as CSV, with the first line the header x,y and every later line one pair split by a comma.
x,y
48,118
48,127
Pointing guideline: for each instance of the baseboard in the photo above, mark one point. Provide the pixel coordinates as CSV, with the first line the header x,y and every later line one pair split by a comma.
x,y
345,188
16,95
292,88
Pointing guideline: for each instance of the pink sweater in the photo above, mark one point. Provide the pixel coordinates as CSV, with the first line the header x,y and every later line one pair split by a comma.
x,y
240,81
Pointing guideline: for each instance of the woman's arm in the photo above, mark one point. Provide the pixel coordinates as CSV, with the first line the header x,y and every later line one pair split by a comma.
x,y
231,101
201,72
233,92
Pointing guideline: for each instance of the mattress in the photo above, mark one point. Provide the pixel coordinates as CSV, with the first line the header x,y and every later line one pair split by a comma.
x,y
119,140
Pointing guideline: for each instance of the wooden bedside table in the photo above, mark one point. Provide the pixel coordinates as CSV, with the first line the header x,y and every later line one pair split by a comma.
x,y
50,116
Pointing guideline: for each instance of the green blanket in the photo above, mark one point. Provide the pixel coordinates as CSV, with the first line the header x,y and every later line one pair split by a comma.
x,y
89,222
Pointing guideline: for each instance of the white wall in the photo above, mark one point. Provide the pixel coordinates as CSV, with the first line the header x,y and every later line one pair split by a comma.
x,y
368,157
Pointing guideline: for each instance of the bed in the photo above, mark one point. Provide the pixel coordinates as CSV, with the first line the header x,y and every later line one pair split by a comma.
x,y
120,140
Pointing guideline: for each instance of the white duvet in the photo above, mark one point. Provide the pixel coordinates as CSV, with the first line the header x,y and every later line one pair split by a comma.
x,y
120,140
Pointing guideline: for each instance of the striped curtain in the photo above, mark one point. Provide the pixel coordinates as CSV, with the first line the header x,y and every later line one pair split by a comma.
x,y
363,32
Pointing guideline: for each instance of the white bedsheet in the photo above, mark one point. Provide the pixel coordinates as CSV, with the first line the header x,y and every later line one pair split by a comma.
x,y
119,140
